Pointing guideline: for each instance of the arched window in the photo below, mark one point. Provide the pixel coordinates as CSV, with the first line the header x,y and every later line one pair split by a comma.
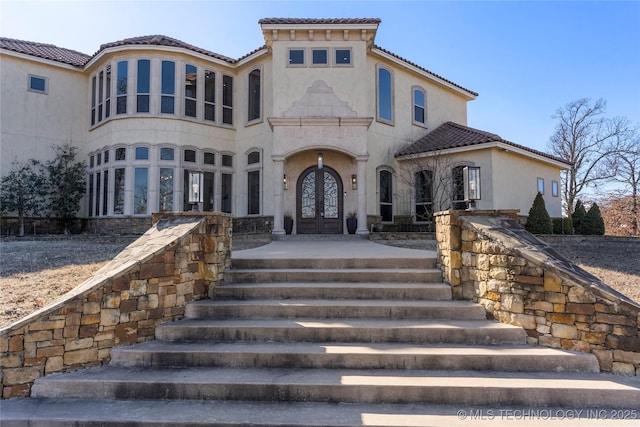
x,y
424,195
253,183
254,95
386,195
419,107
385,95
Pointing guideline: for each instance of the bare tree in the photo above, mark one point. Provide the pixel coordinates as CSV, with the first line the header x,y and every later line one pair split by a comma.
x,y
585,138
626,164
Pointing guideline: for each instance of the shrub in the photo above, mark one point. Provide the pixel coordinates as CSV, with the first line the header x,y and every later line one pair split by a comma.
x,y
578,216
562,225
539,221
593,224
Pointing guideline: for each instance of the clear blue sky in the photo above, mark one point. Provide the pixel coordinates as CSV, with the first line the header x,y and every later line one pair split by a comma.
x,y
525,59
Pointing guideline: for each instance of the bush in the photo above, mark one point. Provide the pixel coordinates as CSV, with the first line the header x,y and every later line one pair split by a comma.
x,y
539,221
593,224
578,216
562,225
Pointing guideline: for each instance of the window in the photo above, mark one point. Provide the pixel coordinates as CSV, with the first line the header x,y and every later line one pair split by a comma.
x,y
144,86
91,194
93,100
319,57
209,158
227,160
225,205
253,192
91,159
227,100
190,90
208,191
140,191
166,189
457,188
296,56
37,84
121,153
98,188
100,95
168,87
121,89
107,97
386,196
424,195
419,109
555,189
254,95
118,191
106,156
253,157
541,185
189,155
105,192
98,159
142,153
343,57
210,96
166,153
385,111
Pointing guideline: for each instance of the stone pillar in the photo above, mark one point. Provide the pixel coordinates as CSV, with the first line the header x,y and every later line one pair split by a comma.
x,y
448,236
278,200
362,195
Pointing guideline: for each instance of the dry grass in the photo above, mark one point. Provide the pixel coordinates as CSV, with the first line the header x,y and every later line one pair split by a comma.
x,y
34,273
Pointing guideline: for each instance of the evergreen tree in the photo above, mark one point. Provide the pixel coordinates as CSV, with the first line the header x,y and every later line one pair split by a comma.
x,y
22,191
65,184
578,216
593,224
539,221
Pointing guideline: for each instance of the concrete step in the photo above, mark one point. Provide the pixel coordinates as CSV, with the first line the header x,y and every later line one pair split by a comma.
x,y
197,413
335,290
342,330
513,358
375,275
335,309
332,263
583,390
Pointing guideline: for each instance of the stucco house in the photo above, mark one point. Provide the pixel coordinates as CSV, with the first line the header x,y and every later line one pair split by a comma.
x,y
319,123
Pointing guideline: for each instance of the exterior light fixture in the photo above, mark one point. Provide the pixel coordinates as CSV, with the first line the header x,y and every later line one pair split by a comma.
x,y
195,189
471,175
354,182
285,184
320,160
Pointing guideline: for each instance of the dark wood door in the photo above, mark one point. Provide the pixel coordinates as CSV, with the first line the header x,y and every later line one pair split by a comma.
x,y
319,202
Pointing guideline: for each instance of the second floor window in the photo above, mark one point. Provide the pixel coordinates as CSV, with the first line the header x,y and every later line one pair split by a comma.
x,y
144,86
254,95
121,88
210,95
168,88
190,90
227,100
385,95
419,116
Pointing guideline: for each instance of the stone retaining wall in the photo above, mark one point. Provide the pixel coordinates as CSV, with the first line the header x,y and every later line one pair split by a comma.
x,y
488,257
180,259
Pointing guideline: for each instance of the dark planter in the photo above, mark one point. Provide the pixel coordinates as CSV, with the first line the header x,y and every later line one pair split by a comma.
x,y
288,225
352,225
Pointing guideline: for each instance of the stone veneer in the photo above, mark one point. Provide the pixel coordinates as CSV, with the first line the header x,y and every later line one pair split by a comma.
x,y
488,257
180,259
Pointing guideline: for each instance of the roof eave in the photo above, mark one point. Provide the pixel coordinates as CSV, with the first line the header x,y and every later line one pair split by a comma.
x,y
47,61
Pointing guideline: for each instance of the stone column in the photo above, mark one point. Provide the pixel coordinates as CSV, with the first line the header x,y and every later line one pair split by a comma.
x,y
362,195
278,200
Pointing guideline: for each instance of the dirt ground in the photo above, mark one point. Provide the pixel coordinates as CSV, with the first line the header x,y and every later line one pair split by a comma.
x,y
36,271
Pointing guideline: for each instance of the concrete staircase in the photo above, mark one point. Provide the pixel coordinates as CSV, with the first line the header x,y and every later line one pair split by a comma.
x,y
308,341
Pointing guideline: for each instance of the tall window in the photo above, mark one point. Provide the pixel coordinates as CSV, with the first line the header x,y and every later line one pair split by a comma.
x,y
208,191
93,100
107,96
227,100
168,87
254,95
98,188
144,85
166,189
91,194
386,195
118,191
225,205
190,90
385,95
419,107
210,95
457,188
424,195
121,89
100,95
140,191
253,183
105,192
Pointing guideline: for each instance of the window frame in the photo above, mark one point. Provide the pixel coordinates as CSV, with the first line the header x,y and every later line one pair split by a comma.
x,y
327,62
206,101
304,57
190,100
555,189
336,63
252,102
540,186
170,94
140,94
415,105
379,118
30,88
227,99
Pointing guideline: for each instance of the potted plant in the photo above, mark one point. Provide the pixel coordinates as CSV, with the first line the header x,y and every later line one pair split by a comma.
x,y
288,223
352,222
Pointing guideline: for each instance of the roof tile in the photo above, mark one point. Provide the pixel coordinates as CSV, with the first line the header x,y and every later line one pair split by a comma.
x,y
45,51
319,21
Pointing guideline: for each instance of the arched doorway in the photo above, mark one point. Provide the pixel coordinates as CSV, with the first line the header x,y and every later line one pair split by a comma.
x,y
319,201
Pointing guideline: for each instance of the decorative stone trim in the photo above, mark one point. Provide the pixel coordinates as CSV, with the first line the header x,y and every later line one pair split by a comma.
x,y
489,258
180,259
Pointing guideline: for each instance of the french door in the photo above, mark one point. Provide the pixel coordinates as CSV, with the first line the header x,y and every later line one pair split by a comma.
x,y
319,202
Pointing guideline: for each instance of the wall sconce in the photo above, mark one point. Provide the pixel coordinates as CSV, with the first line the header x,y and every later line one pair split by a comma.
x,y
320,160
285,184
354,182
471,175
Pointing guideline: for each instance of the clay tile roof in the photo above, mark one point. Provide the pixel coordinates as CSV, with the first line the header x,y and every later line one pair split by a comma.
x,y
319,21
45,51
453,135
160,40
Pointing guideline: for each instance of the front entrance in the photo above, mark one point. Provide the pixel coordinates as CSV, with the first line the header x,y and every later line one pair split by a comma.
x,y
319,201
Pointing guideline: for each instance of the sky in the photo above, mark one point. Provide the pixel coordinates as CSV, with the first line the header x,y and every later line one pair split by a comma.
x,y
526,59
